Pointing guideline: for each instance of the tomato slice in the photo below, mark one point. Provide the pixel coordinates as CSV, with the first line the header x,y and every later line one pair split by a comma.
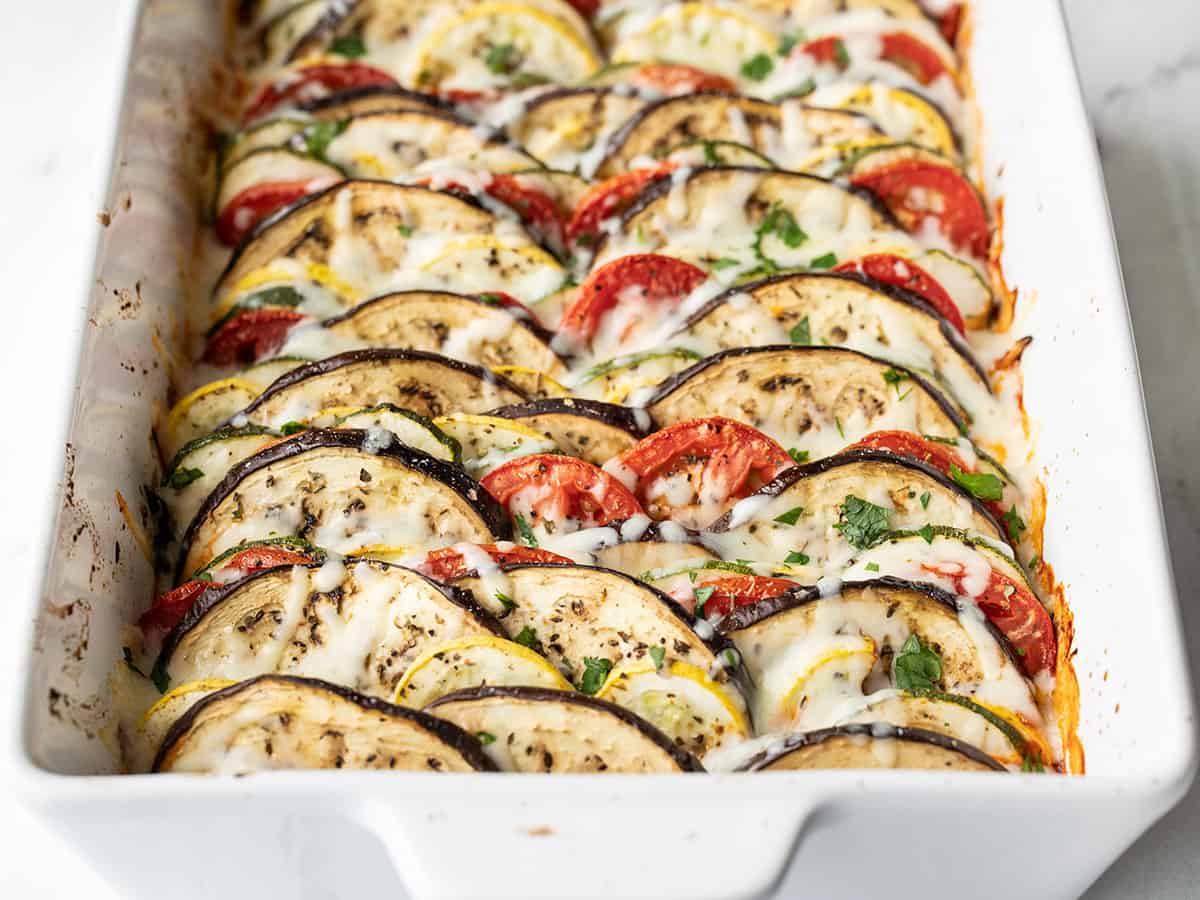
x,y
586,8
897,47
250,335
903,443
609,198
718,462
1015,611
508,301
535,207
917,189
950,22
172,606
255,203
312,83
640,278
549,489
895,270
734,591
674,79
449,563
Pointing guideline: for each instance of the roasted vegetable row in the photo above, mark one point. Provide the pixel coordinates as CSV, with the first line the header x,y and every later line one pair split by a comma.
x,y
565,408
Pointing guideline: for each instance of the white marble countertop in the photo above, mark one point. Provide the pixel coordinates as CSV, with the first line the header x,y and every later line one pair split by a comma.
x,y
1140,67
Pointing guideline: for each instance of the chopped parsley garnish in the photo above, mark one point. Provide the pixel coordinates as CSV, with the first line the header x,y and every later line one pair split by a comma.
x,y
800,456
1034,562
730,658
527,637
292,428
841,431
862,523
1013,524
711,157
806,87
827,261
658,654
918,667
872,567
800,559
350,46
316,138
528,538
791,517
984,485
758,67
485,737
1031,763
702,595
181,478
925,498
595,670
502,59
841,54
894,377
926,532
788,42
128,654
405,230
801,333
506,603
783,225
724,262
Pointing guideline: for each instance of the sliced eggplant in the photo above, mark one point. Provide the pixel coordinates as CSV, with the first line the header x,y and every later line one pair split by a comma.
x,y
569,128
574,613
370,99
298,31
359,624
564,188
398,143
342,490
905,115
273,164
266,135
262,374
471,329
425,383
813,654
410,428
830,509
588,429
281,722
787,134
632,378
754,217
490,441
876,746
814,398
537,730
200,465
203,410
840,310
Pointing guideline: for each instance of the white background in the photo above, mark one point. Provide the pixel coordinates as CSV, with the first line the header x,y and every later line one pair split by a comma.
x,y
1140,65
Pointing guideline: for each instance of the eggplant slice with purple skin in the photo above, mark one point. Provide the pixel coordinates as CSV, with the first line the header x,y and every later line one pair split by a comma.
x,y
875,746
426,383
284,722
590,429
827,508
565,126
817,399
471,329
342,489
358,623
715,116
371,98
539,730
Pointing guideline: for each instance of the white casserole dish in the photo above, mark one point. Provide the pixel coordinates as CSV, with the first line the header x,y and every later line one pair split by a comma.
x,y
844,834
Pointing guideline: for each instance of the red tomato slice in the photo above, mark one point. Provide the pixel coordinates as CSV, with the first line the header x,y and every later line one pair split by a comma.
x,y
898,48
903,443
722,460
904,273
586,8
731,592
1011,607
674,79
448,563
172,606
950,22
916,189
312,83
508,301
533,206
549,488
255,203
662,280
250,335
609,198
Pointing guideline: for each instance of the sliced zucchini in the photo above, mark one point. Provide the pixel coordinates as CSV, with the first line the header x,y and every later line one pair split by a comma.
x,y
536,730
298,31
372,98
569,128
261,374
830,509
491,441
818,399
342,490
395,143
273,164
716,153
200,465
632,378
471,329
410,428
590,430
359,624
902,114
282,722
268,134
422,382
141,746
475,661
203,410
636,558
786,134
875,746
